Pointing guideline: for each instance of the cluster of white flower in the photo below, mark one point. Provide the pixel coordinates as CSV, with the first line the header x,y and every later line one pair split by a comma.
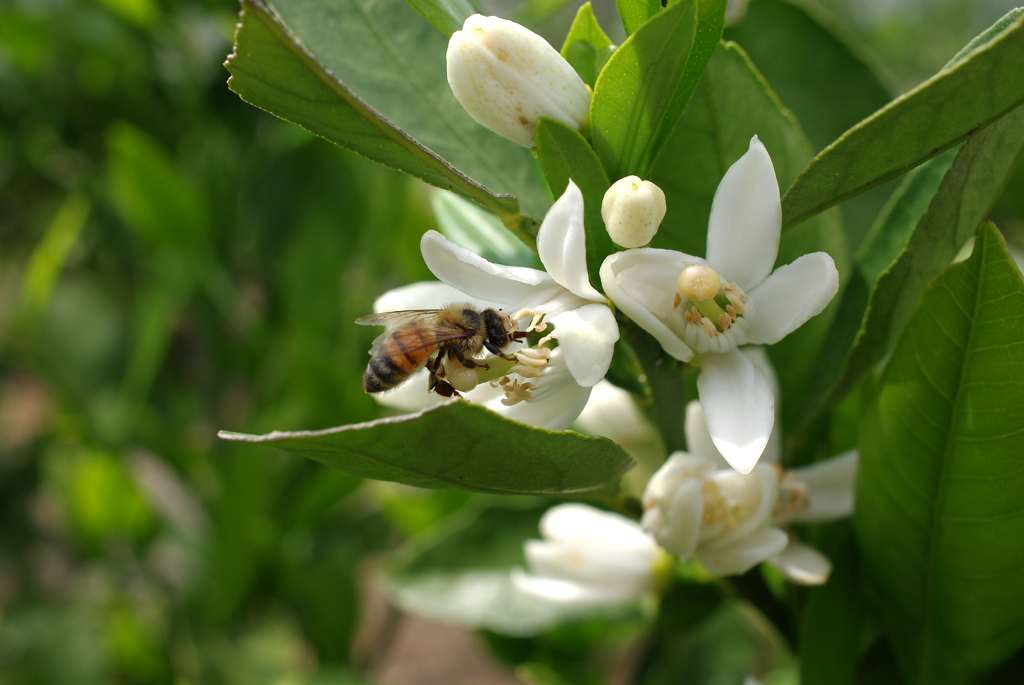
x,y
726,501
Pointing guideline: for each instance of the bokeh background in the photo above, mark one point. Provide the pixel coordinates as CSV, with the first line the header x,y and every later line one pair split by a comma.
x,y
174,262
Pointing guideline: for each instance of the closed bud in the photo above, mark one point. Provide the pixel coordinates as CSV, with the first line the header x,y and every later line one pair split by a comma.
x,y
507,77
632,210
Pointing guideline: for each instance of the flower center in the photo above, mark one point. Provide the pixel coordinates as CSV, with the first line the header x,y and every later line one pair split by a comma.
x,y
529,361
794,497
715,305
719,510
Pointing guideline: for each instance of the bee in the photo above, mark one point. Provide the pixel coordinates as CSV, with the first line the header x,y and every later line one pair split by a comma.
x,y
429,337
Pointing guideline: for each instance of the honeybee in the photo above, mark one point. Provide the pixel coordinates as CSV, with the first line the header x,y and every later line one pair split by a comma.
x,y
428,337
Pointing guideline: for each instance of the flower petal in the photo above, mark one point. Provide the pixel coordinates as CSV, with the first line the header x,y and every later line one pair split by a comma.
x,y
745,554
613,413
738,406
698,439
802,564
555,408
642,283
758,356
562,245
588,335
830,484
790,296
581,523
474,275
673,517
567,592
424,295
746,219
755,493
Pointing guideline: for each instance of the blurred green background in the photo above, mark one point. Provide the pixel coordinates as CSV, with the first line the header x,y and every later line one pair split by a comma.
x,y
174,262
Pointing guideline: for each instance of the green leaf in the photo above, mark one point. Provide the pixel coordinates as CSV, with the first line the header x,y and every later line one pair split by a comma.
x,y
565,154
907,249
474,228
585,28
811,65
150,193
447,16
49,256
460,574
292,65
815,66
732,104
833,622
459,445
587,47
646,84
939,514
977,89
636,12
588,61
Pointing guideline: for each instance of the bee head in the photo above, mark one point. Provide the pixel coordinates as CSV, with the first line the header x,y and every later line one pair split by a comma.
x,y
499,328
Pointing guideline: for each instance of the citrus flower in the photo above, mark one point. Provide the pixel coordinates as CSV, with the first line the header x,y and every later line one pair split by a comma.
x,y
707,308
731,521
588,557
546,385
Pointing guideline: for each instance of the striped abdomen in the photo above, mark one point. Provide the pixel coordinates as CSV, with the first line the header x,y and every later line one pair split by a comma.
x,y
400,355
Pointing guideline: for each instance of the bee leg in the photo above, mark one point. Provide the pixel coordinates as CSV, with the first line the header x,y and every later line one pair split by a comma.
x,y
498,353
432,379
468,363
519,335
444,389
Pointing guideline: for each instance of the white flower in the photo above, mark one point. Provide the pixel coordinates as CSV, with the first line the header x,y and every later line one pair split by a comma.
x,y
731,521
632,210
694,306
546,387
507,77
588,557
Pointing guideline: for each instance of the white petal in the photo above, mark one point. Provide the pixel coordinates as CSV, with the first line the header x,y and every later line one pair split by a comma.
x,y
758,356
674,517
738,406
790,296
585,524
642,283
588,564
588,336
567,592
424,295
698,439
746,219
613,413
755,493
556,410
474,275
802,564
830,484
745,554
562,245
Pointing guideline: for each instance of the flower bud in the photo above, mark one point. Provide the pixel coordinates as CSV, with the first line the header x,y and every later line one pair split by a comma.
x,y
507,77
632,211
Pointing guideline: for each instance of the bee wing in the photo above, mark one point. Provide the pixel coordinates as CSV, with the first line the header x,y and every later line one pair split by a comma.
x,y
425,336
396,319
